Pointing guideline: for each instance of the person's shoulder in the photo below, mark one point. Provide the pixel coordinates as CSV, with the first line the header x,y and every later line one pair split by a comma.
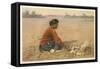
x,y
49,29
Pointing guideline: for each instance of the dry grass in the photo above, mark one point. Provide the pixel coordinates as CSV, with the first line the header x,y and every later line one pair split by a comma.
x,y
33,54
69,29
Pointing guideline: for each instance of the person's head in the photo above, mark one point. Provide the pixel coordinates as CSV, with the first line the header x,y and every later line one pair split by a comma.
x,y
54,23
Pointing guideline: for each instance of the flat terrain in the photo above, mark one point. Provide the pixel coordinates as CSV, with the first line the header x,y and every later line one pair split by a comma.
x,y
80,29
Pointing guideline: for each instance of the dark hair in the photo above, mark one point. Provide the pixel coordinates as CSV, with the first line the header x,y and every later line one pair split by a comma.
x,y
53,21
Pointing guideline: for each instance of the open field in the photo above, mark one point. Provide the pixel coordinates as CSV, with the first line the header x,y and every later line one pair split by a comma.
x,y
80,29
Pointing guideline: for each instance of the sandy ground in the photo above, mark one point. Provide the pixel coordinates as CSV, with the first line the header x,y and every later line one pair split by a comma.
x,y
80,29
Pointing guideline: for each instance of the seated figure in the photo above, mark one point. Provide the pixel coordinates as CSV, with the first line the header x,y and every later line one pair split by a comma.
x,y
50,40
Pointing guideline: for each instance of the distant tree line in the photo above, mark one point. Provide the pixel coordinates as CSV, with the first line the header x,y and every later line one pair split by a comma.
x,y
33,14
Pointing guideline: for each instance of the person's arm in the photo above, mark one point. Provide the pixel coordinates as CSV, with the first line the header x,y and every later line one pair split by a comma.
x,y
56,38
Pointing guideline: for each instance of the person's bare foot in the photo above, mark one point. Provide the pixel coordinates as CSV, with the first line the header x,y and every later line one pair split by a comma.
x,y
52,51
